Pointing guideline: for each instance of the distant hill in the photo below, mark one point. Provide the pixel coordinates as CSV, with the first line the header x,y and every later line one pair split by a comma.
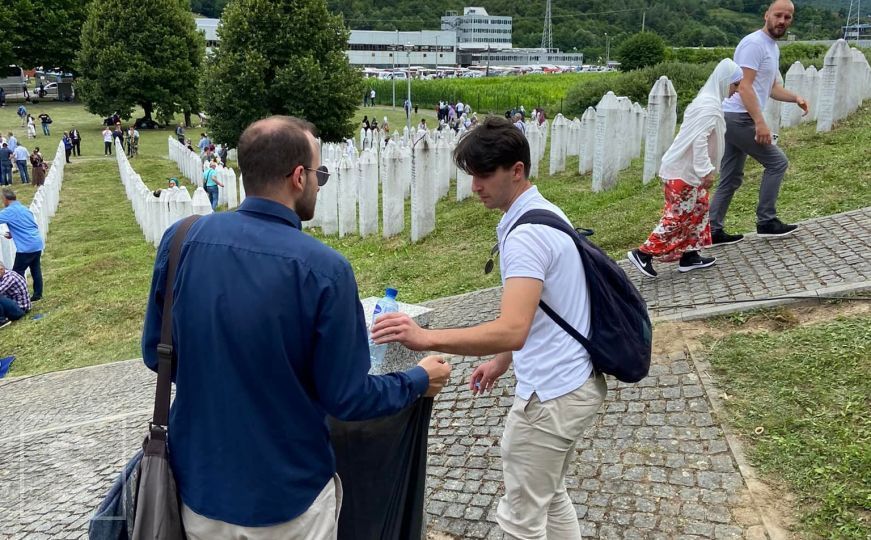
x,y
581,24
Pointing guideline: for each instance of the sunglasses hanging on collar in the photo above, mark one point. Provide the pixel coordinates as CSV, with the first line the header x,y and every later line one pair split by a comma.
x,y
494,251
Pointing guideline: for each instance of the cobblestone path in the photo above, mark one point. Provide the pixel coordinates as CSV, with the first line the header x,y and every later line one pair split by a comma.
x,y
656,464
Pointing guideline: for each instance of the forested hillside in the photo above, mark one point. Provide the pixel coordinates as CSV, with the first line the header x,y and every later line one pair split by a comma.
x,y
582,24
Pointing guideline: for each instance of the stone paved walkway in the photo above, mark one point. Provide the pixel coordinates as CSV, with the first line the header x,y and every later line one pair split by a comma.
x,y
656,464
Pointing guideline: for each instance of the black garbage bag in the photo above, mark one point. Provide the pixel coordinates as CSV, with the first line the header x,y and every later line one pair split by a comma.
x,y
382,464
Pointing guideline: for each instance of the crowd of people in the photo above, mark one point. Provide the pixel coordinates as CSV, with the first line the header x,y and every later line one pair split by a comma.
x,y
14,158
128,138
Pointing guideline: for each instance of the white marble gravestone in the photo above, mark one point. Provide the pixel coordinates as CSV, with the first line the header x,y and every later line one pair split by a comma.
x,y
392,192
588,141
606,160
661,123
423,190
368,192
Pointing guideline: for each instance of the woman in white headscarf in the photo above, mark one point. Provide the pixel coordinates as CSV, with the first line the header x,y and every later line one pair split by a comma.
x,y
688,169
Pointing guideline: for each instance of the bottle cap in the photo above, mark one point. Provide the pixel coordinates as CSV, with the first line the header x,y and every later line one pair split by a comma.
x,y
390,293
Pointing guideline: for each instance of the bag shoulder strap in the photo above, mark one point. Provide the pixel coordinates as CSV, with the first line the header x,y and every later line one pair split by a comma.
x,y
165,353
550,219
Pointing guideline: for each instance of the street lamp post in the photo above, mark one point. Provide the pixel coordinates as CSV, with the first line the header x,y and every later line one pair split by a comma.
x,y
607,50
408,78
393,73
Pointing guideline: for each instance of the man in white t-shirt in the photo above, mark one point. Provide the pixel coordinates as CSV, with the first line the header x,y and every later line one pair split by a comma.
x,y
747,134
107,142
558,393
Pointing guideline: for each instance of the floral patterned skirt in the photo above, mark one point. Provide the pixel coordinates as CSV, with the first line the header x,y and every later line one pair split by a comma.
x,y
684,224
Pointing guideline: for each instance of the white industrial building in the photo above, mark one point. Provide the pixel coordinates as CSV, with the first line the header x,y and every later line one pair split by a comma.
x,y
476,29
384,49
474,38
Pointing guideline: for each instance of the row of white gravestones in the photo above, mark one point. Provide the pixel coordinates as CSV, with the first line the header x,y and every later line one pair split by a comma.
x,y
587,141
189,163
422,170
43,206
845,84
192,167
661,123
155,214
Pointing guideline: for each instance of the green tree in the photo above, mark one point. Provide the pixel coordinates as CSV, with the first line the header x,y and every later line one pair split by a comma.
x,y
641,50
280,57
146,53
41,32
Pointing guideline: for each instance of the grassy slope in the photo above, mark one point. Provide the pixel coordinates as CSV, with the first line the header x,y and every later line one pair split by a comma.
x,y
97,264
809,389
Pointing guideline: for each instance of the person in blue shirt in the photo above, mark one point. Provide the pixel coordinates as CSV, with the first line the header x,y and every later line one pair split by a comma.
x,y
24,231
211,183
270,338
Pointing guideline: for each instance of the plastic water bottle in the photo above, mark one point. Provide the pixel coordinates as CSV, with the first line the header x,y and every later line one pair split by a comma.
x,y
385,305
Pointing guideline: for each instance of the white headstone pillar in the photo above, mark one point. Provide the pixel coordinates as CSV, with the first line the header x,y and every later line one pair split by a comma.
x,y
368,193
423,190
661,123
606,160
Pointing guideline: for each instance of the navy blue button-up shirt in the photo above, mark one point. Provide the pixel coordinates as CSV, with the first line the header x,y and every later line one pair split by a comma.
x,y
270,338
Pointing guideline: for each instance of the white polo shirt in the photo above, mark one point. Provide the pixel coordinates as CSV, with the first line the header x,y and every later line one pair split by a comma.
x,y
759,52
551,363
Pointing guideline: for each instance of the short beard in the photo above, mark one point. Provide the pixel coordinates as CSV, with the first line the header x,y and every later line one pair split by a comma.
x,y
775,32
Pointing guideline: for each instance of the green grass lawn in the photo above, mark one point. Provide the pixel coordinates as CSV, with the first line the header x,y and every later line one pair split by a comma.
x,y
97,265
809,388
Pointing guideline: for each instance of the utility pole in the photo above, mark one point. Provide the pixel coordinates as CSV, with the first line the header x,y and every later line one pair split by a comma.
x,y
408,78
607,49
547,35
437,50
643,18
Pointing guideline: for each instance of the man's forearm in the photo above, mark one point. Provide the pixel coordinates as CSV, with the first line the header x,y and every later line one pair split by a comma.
x,y
483,340
782,94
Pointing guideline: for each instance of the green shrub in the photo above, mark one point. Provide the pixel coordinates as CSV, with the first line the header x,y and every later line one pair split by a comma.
x,y
687,79
641,50
696,55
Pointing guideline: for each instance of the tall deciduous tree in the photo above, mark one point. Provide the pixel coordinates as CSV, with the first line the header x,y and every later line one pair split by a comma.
x,y
145,53
280,57
41,32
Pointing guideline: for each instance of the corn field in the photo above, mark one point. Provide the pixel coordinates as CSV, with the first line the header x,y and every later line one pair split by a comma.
x,y
487,94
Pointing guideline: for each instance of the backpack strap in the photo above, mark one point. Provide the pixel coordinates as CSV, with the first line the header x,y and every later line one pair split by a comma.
x,y
165,354
550,219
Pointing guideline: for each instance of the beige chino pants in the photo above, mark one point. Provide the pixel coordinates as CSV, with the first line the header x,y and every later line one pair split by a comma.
x,y
319,522
537,447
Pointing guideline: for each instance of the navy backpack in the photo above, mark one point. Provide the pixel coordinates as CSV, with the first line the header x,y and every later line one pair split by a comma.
x,y
620,329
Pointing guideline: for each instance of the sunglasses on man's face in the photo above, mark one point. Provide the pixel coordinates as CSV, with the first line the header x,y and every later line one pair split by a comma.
x,y
321,172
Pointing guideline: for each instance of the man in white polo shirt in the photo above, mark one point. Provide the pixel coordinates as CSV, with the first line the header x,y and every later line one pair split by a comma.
x,y
747,134
558,393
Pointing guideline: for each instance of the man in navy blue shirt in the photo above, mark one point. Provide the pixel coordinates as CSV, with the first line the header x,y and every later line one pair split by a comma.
x,y
270,338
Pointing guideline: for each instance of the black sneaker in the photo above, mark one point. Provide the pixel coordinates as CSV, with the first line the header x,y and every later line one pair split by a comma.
x,y
4,322
722,238
774,228
691,260
35,298
643,262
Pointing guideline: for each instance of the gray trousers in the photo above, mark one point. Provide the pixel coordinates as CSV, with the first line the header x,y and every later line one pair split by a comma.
x,y
740,143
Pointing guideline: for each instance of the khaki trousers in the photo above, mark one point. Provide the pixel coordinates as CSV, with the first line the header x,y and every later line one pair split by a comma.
x,y
319,522
537,446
